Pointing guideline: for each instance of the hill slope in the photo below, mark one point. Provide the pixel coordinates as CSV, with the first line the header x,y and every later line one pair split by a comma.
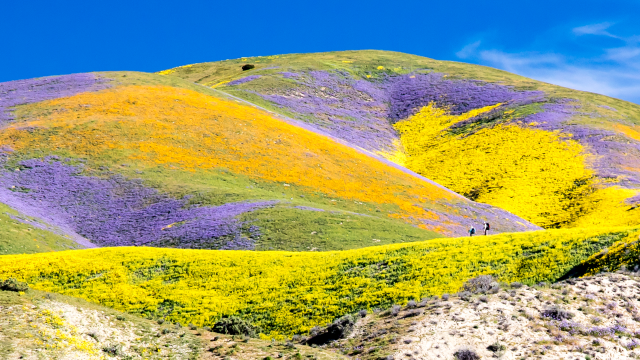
x,y
555,156
39,325
142,159
289,293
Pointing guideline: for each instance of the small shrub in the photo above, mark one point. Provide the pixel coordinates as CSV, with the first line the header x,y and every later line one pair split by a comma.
x,y
445,297
411,304
466,354
13,285
120,317
246,67
362,313
557,313
465,295
395,310
192,327
483,284
160,321
234,325
516,285
496,347
207,328
483,298
315,330
411,313
112,350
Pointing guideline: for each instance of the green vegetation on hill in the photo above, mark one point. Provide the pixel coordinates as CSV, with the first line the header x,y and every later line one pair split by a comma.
x,y
361,62
19,235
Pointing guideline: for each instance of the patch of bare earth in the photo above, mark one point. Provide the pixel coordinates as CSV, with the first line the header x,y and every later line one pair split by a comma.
x,y
590,318
37,325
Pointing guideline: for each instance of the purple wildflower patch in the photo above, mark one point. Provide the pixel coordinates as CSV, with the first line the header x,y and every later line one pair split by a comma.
x,y
634,200
362,112
22,92
289,75
244,80
308,208
608,107
121,212
409,93
614,156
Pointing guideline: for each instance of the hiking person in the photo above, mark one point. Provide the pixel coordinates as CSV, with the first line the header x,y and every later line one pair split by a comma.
x,y
472,231
486,227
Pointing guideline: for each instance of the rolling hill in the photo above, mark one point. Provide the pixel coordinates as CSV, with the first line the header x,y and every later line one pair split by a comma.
x,y
362,171
554,156
134,159
287,293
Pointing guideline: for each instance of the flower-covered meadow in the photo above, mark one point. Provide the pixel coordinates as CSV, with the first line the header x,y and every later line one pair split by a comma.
x,y
287,292
359,96
532,169
160,126
19,92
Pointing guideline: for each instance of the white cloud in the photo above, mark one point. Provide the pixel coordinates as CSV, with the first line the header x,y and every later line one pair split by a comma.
x,y
627,54
616,81
614,71
594,29
468,50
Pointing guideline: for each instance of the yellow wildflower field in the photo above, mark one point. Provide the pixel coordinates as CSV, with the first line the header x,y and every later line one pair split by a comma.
x,y
289,292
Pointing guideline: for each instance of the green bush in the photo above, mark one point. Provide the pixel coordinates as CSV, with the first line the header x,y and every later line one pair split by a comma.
x,y
234,325
13,285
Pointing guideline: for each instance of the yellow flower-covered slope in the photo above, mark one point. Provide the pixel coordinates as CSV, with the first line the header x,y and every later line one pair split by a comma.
x,y
288,293
540,175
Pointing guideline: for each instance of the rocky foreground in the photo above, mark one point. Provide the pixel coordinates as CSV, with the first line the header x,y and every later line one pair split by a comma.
x,y
589,318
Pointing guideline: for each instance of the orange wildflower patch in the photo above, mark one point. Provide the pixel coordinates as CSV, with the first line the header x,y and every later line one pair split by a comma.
x,y
630,131
189,130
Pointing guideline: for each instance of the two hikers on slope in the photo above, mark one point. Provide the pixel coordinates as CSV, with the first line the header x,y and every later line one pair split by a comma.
x,y
485,226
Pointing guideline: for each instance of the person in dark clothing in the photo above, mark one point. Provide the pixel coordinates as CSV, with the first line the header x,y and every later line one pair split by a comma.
x,y
486,228
472,231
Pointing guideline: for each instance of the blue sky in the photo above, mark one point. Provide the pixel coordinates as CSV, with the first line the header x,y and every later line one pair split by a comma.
x,y
586,45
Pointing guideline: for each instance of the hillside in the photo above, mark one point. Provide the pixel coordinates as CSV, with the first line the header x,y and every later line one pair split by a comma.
x,y
121,159
39,325
554,156
288,293
591,318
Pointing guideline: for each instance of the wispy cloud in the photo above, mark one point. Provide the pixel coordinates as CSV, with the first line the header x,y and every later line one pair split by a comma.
x,y
613,71
594,29
468,50
555,69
